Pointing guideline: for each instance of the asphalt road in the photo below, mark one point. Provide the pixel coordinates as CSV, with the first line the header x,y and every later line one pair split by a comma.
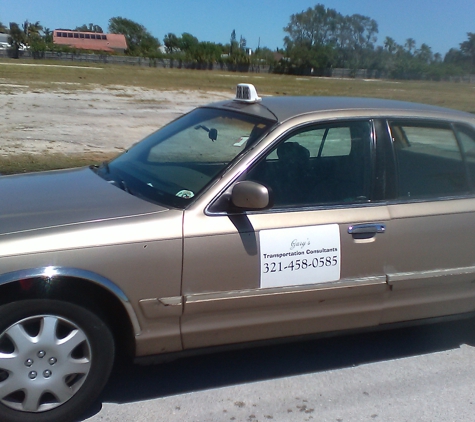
x,y
424,373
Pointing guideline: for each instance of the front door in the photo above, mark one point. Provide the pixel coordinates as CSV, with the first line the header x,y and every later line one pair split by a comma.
x,y
313,263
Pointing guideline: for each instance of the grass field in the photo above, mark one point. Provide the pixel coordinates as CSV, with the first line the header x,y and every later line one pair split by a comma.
x,y
81,76
43,76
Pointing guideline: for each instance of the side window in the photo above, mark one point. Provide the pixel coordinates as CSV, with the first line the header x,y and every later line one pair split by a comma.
x,y
322,142
428,159
466,137
324,164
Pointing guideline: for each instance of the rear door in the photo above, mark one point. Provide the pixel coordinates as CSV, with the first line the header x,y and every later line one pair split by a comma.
x,y
314,262
431,268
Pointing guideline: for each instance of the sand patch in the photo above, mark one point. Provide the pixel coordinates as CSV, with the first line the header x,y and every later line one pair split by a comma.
x,y
96,120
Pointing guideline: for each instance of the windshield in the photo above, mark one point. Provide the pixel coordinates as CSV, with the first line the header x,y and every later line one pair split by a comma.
x,y
173,165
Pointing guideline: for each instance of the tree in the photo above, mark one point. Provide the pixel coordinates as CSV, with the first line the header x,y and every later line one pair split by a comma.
x,y
390,45
322,26
236,50
264,55
242,43
3,28
207,52
468,47
410,45
90,28
188,45
356,32
33,36
48,35
424,54
354,38
188,42
233,46
312,27
32,29
321,36
437,58
453,56
189,48
17,38
456,58
139,41
172,43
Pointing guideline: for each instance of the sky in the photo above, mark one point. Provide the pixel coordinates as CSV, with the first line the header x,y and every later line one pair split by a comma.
x,y
441,24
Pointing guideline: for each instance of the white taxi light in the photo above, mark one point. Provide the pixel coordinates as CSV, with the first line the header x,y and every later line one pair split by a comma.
x,y
247,93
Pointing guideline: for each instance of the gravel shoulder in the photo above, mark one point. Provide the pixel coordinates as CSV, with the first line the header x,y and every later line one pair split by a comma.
x,y
97,120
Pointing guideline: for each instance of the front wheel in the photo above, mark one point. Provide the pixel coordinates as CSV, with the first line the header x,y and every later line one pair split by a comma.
x,y
55,358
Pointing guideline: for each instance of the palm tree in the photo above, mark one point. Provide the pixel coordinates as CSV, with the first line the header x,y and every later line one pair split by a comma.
x,y
410,44
424,53
48,34
16,39
438,57
32,29
390,45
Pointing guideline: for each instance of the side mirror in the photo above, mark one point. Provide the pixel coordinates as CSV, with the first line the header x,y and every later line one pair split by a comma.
x,y
251,196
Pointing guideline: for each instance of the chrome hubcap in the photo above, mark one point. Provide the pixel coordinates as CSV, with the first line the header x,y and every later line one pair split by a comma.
x,y
44,360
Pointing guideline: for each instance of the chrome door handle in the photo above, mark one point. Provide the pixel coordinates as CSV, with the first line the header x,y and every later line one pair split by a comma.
x,y
367,229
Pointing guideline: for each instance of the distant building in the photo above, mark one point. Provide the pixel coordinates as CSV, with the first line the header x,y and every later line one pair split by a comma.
x,y
112,43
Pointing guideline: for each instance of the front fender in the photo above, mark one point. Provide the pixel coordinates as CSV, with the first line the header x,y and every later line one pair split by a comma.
x,y
51,274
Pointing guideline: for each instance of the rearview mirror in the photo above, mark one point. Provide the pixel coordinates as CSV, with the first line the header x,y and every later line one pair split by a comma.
x,y
213,134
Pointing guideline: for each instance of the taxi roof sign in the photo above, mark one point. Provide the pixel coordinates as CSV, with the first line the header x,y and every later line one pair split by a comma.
x,y
247,93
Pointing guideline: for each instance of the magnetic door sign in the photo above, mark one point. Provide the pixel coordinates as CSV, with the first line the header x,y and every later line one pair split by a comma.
x,y
301,255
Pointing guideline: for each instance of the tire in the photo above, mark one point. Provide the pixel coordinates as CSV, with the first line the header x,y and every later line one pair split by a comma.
x,y
55,358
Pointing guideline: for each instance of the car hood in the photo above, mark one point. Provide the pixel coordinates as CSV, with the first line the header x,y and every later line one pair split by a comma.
x,y
63,197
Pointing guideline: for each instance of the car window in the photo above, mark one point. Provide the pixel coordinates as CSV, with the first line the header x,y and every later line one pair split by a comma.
x,y
322,142
175,164
429,160
230,137
466,137
319,165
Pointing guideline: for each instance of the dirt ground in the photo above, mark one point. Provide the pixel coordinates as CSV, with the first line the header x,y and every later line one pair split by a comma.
x,y
96,120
